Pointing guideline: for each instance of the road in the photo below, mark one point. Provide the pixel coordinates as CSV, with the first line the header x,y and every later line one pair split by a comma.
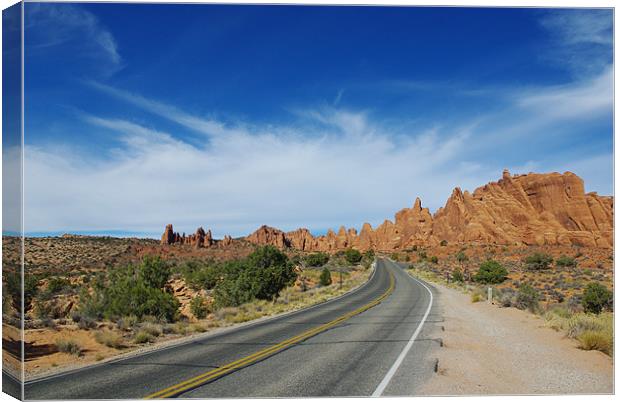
x,y
375,340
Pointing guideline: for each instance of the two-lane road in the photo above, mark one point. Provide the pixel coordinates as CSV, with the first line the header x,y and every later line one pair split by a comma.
x,y
358,345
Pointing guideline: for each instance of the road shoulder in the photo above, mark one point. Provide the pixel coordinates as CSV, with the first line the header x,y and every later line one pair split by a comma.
x,y
490,350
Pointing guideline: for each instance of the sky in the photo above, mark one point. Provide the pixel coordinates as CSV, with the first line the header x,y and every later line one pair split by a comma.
x,y
230,117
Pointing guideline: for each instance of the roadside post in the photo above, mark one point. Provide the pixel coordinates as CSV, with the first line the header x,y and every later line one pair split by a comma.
x,y
490,294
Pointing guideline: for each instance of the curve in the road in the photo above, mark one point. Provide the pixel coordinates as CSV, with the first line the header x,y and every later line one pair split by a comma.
x,y
264,353
343,347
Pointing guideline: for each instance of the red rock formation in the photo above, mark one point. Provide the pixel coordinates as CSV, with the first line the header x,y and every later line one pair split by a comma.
x,y
169,236
266,235
199,239
227,241
531,209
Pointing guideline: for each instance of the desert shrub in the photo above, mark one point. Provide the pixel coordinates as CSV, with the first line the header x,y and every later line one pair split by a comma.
x,y
457,276
369,255
58,285
527,298
197,328
68,346
198,307
261,275
395,256
180,328
152,329
14,287
352,256
143,337
326,277
596,340
596,298
477,296
154,272
591,331
127,323
507,298
200,275
131,290
566,261
109,339
461,257
422,256
434,259
538,261
443,243
491,272
316,259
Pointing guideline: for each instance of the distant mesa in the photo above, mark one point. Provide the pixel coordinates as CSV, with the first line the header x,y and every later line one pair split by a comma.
x,y
528,209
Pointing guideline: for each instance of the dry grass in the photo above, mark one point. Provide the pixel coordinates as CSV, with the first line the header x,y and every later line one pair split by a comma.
x,y
593,332
109,339
69,346
143,337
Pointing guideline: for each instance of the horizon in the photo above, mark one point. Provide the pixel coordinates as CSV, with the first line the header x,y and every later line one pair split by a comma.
x,y
178,118
120,234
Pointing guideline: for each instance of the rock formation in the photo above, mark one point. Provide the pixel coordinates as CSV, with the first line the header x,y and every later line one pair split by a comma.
x,y
529,209
199,239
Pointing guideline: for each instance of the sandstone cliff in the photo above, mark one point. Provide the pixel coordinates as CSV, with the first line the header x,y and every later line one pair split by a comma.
x,y
531,209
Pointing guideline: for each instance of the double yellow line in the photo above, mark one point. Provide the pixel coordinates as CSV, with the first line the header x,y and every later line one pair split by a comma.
x,y
202,379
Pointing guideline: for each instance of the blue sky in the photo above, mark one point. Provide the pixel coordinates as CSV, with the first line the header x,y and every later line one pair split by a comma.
x,y
234,116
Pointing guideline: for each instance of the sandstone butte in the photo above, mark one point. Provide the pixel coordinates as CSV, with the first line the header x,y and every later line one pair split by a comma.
x,y
529,209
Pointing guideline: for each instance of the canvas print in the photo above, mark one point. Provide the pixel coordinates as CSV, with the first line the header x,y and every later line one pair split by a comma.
x,y
241,201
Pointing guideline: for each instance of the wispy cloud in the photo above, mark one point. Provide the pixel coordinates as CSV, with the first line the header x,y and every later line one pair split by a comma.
x,y
210,127
582,39
333,166
50,25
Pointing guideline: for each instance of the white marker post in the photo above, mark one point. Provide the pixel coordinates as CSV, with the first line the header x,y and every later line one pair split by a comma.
x,y
490,295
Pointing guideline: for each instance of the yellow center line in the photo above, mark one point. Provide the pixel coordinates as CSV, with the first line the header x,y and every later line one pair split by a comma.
x,y
201,379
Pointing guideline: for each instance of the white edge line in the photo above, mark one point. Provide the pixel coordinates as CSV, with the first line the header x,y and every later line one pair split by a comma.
x,y
388,377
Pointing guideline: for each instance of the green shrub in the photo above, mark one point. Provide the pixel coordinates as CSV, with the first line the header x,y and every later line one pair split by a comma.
x,y
200,275
422,256
491,272
131,290
154,272
443,243
352,256
457,276
566,261
326,277
527,298
316,259
434,259
461,257
198,307
57,285
14,287
395,256
68,346
538,261
596,298
262,275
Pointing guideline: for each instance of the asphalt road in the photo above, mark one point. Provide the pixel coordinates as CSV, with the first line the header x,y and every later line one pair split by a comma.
x,y
337,354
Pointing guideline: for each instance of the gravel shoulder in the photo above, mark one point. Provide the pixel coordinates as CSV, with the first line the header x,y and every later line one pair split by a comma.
x,y
490,350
